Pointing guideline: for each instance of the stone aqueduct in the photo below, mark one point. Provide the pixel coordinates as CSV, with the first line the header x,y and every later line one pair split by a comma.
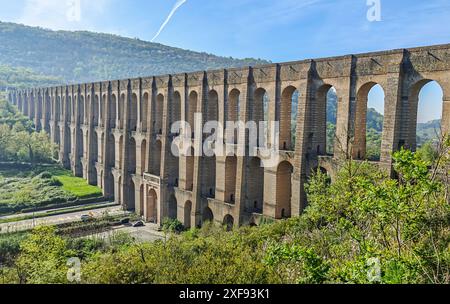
x,y
116,134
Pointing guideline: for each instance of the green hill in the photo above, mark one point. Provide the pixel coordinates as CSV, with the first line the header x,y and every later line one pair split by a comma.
x,y
76,57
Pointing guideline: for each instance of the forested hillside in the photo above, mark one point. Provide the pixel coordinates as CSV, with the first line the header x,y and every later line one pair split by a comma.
x,y
86,56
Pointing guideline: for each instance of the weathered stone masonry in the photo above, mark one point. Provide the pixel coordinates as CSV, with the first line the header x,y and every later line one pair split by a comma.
x,y
116,134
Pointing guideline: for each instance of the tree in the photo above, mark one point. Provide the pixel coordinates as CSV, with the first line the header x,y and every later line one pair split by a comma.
x,y
43,258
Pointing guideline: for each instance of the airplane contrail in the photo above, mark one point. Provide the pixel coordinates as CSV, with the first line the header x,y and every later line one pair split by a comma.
x,y
172,12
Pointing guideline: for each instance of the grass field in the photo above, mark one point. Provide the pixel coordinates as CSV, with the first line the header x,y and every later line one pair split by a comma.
x,y
23,187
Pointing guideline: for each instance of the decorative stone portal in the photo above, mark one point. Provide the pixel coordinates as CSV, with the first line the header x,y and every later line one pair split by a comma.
x,y
152,199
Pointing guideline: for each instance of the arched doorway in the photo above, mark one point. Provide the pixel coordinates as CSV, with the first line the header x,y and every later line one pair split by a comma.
x,y
255,185
284,190
228,222
187,214
152,207
207,215
173,206
230,179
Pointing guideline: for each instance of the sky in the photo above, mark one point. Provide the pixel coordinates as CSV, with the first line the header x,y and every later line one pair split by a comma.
x,y
276,30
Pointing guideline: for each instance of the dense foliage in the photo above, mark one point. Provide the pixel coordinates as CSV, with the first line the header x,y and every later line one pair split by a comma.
x,y
362,228
18,141
21,78
29,178
78,57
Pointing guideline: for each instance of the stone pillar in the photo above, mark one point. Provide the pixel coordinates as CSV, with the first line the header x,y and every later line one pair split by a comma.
x,y
125,87
108,163
64,129
446,111
392,120
302,146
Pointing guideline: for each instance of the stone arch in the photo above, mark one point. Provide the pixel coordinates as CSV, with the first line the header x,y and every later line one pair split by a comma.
x,y
187,214
158,114
120,198
230,179
133,112
123,100
228,222
96,111
284,190
233,112
142,199
261,104
207,215
176,109
80,149
132,156
192,109
234,105
255,185
69,109
113,112
152,207
213,106
131,195
417,100
362,129
190,160
173,206
81,107
95,145
94,177
58,109
325,134
121,152
48,109
111,150
156,159
143,157
209,176
144,111
172,161
288,117
103,109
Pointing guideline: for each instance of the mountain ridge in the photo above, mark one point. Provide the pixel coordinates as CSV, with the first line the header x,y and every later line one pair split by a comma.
x,y
84,56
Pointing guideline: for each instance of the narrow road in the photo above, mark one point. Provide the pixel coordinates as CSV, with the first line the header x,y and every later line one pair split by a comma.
x,y
59,219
